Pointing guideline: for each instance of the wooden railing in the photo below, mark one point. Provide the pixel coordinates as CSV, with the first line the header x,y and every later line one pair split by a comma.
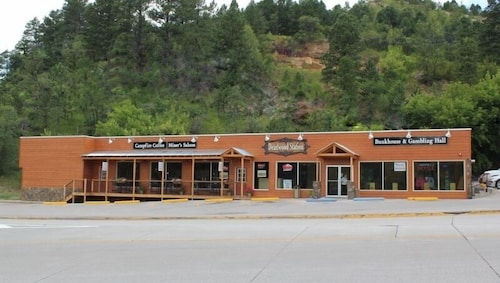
x,y
133,188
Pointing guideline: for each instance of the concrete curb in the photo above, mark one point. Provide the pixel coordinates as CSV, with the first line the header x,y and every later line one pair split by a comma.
x,y
55,203
126,202
96,202
254,217
175,200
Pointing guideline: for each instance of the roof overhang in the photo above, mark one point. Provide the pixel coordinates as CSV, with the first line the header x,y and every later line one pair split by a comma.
x,y
171,153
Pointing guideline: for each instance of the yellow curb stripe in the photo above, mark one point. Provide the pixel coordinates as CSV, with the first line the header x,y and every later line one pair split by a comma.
x,y
97,202
219,200
126,202
174,200
423,198
55,203
264,199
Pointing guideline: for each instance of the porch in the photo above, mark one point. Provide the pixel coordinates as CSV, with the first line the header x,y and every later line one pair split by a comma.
x,y
82,190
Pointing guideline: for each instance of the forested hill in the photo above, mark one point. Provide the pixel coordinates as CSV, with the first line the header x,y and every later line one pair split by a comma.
x,y
138,67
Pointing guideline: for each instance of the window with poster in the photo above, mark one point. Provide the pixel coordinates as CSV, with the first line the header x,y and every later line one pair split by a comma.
x,y
291,174
387,175
261,175
439,175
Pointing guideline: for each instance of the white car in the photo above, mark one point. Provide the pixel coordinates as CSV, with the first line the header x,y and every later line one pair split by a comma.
x,y
491,178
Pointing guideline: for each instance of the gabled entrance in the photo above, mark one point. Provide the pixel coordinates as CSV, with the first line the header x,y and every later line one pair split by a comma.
x,y
339,167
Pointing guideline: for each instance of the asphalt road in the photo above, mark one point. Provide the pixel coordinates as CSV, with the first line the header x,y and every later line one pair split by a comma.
x,y
253,241
451,248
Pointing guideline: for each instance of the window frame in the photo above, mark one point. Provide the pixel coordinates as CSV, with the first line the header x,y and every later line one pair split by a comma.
x,y
382,178
459,187
297,172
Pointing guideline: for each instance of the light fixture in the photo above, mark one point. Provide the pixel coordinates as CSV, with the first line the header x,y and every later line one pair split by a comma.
x,y
216,138
448,134
267,138
370,135
194,139
300,137
111,140
160,140
408,135
129,140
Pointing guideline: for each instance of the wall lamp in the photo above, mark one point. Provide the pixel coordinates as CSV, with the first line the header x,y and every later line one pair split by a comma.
x,y
300,137
267,138
408,135
370,135
129,140
194,139
216,138
111,140
448,134
160,140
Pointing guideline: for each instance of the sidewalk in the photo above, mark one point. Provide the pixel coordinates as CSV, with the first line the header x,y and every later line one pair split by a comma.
x,y
253,209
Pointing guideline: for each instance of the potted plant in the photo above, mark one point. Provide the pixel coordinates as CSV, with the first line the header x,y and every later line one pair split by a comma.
x,y
249,191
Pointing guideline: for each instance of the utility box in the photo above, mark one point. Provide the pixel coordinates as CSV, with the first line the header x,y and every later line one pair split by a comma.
x,y
351,191
316,189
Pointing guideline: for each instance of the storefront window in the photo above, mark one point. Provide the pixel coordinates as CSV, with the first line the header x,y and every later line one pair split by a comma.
x,y
261,175
210,171
425,175
172,170
393,175
291,174
371,176
442,175
125,169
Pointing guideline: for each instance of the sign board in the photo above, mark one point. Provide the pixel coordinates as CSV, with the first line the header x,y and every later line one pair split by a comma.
x,y
164,145
286,146
410,141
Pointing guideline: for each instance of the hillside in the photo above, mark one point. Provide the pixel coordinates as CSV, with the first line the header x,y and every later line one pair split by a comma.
x,y
118,68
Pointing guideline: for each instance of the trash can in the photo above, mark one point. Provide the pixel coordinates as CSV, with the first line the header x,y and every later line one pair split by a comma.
x,y
296,192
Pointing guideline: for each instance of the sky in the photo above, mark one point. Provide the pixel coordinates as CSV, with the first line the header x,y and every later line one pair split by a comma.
x,y
15,14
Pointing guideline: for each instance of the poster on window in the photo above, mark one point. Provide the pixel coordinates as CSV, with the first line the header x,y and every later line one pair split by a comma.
x,y
399,166
262,173
287,183
160,166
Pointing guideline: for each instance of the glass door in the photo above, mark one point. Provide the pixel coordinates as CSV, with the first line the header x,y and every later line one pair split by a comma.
x,y
337,178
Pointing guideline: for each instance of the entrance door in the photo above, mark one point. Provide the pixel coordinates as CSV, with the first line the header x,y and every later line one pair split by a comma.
x,y
337,178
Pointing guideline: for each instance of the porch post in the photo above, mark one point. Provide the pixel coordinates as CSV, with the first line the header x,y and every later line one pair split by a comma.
x,y
133,179
192,178
221,177
162,184
107,181
241,177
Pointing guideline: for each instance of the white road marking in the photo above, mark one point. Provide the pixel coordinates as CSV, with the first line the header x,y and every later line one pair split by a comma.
x,y
42,226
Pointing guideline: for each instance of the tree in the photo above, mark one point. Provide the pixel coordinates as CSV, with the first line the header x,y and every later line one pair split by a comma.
x,y
490,38
344,41
310,30
9,132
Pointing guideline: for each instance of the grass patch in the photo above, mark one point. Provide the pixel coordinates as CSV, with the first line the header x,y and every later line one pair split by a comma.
x,y
10,187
